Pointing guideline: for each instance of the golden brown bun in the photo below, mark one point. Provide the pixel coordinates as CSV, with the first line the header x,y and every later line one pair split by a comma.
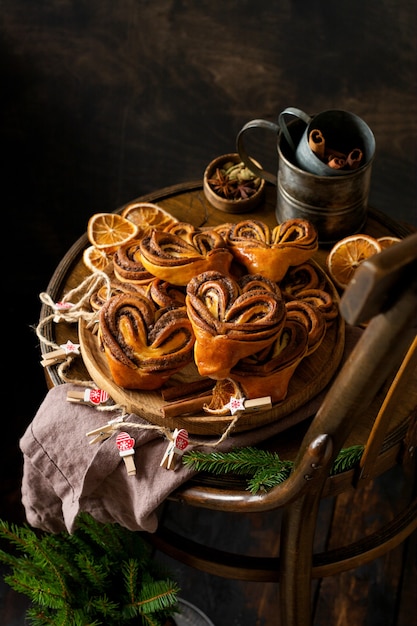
x,y
100,297
178,259
163,294
304,276
128,266
232,319
313,320
269,371
144,345
271,253
323,302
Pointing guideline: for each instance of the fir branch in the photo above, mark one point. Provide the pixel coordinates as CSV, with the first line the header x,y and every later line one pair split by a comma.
x,y
94,570
156,596
267,477
264,469
347,459
77,579
104,606
130,575
238,461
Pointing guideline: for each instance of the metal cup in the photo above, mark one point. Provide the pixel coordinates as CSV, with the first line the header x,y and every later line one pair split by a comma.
x,y
337,205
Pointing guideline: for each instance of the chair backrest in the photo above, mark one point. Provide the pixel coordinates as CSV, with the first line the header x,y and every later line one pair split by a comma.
x,y
383,294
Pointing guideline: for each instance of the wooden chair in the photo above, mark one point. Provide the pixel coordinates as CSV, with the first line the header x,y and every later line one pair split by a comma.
x,y
372,400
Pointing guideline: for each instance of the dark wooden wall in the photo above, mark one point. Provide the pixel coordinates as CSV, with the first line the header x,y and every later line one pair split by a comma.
x,y
103,101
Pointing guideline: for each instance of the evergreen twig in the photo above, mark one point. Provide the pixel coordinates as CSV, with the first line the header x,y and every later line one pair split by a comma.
x,y
262,468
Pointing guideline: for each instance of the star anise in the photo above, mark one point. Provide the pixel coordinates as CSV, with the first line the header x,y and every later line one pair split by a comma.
x,y
222,185
244,189
234,182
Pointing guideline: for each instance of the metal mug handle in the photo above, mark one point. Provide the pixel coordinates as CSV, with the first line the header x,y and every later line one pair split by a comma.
x,y
283,123
247,160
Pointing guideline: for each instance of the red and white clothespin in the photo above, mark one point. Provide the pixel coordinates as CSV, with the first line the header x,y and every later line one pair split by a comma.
x,y
236,405
126,446
94,397
56,356
175,449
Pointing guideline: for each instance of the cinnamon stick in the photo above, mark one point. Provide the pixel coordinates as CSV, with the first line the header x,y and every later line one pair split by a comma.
x,y
354,158
183,407
336,163
185,390
317,143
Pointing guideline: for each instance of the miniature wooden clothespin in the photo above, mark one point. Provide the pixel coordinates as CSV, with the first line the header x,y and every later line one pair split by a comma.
x,y
104,432
126,444
237,405
175,449
56,356
93,397
61,306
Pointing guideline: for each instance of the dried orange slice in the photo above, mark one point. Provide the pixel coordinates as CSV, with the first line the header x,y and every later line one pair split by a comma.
x,y
386,242
108,231
223,391
147,215
346,256
95,260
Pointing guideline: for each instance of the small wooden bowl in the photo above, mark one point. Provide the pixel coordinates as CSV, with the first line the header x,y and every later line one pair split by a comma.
x,y
242,205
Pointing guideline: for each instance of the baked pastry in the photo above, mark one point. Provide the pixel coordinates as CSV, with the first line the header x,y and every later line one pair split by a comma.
x,y
185,230
171,257
144,346
163,294
271,253
322,300
232,319
100,297
128,266
313,320
304,276
269,371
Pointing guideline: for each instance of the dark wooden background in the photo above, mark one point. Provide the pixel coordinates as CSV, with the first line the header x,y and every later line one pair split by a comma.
x,y
104,101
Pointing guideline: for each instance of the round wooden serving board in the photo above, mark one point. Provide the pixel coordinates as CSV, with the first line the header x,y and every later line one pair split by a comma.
x,y
311,376
187,203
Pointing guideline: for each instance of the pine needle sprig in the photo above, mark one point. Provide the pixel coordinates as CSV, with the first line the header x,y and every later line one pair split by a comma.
x,y
264,469
238,461
267,477
347,459
156,596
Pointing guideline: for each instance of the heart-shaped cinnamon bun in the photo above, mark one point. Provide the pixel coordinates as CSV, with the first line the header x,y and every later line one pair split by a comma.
x,y
174,259
303,276
144,345
232,319
269,371
271,253
163,294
